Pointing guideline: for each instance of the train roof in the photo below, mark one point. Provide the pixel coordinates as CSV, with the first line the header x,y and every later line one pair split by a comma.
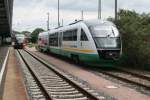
x,y
19,35
43,33
79,22
88,23
98,22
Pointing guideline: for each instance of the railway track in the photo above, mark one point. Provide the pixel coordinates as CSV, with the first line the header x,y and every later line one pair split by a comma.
x,y
140,80
135,73
53,83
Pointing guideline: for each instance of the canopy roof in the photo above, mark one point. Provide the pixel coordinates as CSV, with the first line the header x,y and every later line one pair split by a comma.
x,y
6,9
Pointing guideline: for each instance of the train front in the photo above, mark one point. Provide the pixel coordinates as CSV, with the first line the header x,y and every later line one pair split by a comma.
x,y
108,40
19,41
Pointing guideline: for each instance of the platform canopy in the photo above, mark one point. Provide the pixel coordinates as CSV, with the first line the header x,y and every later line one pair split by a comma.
x,y
6,10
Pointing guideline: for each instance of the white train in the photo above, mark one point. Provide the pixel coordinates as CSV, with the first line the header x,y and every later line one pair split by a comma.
x,y
94,42
19,41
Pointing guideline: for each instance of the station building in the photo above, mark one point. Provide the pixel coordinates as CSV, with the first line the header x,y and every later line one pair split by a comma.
x,y
6,12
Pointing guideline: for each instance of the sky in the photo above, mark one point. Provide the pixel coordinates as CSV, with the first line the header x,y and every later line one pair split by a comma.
x,y
30,14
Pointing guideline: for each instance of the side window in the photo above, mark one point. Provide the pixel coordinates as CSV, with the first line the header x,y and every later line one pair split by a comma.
x,y
66,35
74,35
83,36
70,35
53,39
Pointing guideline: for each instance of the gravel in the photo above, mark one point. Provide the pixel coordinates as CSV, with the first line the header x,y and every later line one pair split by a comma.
x,y
33,89
137,88
46,77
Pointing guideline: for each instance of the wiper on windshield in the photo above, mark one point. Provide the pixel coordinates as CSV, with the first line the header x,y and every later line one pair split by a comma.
x,y
113,31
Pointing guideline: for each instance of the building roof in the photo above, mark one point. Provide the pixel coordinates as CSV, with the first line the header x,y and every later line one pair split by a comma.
x,y
6,10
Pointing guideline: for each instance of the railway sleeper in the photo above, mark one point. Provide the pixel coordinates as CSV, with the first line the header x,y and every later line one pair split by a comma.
x,y
57,85
62,90
66,87
79,95
65,93
83,98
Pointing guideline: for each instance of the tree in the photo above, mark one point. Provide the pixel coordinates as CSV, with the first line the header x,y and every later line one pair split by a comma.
x,y
135,30
35,33
25,32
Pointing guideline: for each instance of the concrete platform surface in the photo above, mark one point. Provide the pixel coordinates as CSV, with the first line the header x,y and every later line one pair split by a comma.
x,y
3,52
14,88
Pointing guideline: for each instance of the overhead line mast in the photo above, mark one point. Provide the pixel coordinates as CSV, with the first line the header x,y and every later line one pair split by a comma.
x,y
99,9
116,7
58,13
48,22
82,16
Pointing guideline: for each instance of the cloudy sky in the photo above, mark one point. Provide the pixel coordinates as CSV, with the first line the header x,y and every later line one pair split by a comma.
x,y
30,14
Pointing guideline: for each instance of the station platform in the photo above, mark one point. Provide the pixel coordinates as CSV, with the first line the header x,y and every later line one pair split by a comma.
x,y
3,52
13,88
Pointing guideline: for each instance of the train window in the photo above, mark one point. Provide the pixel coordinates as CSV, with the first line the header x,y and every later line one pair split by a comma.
x,y
74,35
83,36
70,35
53,39
66,35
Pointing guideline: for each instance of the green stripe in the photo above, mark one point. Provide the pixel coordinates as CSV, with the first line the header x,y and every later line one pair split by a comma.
x,y
92,59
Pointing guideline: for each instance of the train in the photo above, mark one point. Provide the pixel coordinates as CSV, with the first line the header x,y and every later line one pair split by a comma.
x,y
19,41
94,42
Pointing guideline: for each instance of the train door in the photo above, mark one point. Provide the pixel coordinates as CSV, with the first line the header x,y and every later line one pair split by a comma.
x,y
60,38
84,42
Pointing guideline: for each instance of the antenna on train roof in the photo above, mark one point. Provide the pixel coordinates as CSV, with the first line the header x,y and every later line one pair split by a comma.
x,y
76,21
58,27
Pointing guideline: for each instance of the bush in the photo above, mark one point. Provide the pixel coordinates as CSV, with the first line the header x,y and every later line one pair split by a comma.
x,y
35,33
135,30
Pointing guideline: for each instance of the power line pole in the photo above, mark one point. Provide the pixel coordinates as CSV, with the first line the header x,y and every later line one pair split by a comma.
x,y
82,16
58,14
48,22
62,22
116,8
99,9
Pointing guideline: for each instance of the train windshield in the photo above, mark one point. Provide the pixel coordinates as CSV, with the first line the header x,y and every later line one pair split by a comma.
x,y
104,31
106,36
20,38
107,42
